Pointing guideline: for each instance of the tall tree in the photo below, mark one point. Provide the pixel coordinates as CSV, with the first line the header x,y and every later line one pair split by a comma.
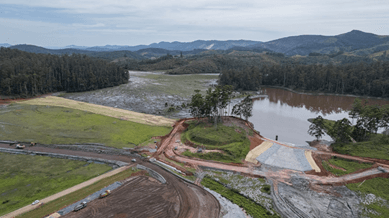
x,y
317,127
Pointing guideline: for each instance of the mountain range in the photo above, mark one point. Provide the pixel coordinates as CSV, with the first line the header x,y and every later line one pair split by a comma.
x,y
355,42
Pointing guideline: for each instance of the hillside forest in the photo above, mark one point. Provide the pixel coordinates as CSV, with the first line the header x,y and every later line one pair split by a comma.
x,y
28,74
371,79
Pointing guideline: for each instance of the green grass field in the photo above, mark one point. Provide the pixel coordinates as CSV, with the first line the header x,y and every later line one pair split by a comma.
x,y
380,188
350,166
233,141
57,125
25,178
69,199
376,147
251,207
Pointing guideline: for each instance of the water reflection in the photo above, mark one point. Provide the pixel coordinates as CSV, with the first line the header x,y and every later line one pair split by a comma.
x,y
285,113
325,104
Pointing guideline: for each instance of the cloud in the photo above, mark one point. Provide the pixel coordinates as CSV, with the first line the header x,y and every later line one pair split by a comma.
x,y
191,20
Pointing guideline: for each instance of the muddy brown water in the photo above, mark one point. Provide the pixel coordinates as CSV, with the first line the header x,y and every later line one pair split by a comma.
x,y
285,113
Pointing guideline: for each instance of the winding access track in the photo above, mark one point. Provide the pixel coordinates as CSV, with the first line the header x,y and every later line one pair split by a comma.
x,y
195,202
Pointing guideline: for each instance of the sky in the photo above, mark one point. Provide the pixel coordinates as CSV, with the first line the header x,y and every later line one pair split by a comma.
x,y
128,22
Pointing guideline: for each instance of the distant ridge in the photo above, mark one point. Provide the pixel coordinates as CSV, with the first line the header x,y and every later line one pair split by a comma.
x,y
306,44
5,45
111,55
354,42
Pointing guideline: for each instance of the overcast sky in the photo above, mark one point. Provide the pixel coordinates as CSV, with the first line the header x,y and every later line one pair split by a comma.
x,y
128,22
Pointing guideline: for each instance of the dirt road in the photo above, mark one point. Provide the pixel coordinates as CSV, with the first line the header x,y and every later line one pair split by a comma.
x,y
65,192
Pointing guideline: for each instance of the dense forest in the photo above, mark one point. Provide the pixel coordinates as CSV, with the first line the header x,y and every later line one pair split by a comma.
x,y
370,79
28,74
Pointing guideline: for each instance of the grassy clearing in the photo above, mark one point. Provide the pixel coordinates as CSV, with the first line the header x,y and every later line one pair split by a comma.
x,y
56,125
376,147
57,204
181,85
251,207
25,178
350,166
103,110
380,188
233,141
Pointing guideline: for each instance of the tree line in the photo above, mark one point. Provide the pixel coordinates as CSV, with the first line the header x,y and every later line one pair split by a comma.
x,y
371,79
369,118
27,74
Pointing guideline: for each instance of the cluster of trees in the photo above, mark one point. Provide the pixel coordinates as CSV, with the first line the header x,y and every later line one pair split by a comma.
x,y
369,118
28,74
213,105
358,79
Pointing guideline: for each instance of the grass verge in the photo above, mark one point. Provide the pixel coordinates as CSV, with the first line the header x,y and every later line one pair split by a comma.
x,y
376,147
57,204
350,166
25,178
233,141
380,188
58,125
251,207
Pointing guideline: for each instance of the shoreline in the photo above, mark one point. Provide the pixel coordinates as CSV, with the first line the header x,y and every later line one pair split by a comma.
x,y
322,93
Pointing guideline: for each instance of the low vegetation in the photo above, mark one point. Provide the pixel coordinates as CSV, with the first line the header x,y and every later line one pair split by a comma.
x,y
349,166
380,188
252,208
57,125
25,178
232,141
376,147
69,199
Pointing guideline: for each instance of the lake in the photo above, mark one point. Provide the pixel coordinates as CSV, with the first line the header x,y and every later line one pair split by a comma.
x,y
285,113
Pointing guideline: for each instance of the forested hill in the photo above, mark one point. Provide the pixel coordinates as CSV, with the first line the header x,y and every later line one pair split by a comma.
x,y
27,74
356,42
107,55
357,79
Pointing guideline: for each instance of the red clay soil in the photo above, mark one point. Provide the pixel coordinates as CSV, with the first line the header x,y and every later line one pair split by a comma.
x,y
255,141
361,179
318,159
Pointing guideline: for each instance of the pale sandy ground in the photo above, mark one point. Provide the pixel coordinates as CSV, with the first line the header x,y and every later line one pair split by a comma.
x,y
251,156
311,161
65,192
103,110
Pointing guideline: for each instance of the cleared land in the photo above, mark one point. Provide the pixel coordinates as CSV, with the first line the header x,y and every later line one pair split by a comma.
x,y
103,110
58,125
147,92
130,200
68,199
24,178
